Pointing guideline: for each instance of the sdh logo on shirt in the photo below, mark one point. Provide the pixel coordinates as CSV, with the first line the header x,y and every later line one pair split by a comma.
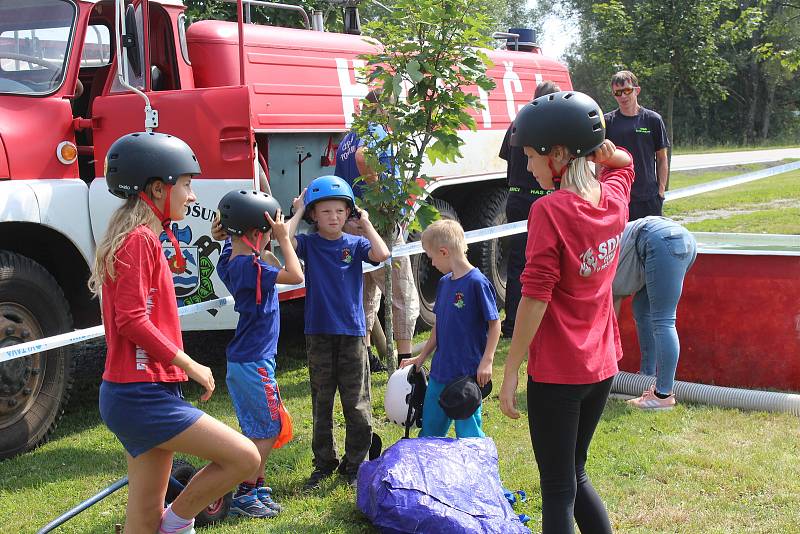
x,y
594,261
459,301
347,256
642,130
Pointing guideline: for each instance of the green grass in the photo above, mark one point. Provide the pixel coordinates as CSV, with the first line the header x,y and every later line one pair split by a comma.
x,y
711,149
680,179
769,205
695,469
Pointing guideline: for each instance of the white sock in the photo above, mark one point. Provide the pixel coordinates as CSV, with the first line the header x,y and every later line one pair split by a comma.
x,y
172,522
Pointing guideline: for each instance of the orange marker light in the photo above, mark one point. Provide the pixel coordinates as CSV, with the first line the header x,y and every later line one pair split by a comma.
x,y
67,152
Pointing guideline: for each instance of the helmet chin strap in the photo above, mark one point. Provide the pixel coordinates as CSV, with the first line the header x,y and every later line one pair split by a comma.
x,y
256,252
178,263
557,174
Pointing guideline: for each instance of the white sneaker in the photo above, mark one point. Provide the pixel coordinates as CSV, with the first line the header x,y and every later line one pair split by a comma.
x,y
650,401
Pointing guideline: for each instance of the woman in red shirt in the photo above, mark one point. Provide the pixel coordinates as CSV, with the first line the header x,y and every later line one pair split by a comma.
x,y
565,321
140,396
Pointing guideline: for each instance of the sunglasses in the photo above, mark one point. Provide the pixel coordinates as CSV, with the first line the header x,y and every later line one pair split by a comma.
x,y
626,91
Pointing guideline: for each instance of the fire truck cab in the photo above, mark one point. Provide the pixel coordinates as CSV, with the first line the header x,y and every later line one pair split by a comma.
x,y
265,111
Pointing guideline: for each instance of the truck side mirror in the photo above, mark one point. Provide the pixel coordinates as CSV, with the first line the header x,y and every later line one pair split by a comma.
x,y
130,41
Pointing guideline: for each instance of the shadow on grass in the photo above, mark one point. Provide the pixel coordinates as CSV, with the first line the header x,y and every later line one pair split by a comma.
x,y
65,463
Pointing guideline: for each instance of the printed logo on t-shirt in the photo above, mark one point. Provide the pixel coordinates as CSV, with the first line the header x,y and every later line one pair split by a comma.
x,y
642,130
347,256
459,301
594,261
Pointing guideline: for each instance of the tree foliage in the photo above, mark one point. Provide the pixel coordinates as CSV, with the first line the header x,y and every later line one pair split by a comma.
x,y
718,70
430,66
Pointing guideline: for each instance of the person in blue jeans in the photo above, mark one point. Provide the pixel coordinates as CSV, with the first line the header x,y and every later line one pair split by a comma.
x,y
466,332
655,255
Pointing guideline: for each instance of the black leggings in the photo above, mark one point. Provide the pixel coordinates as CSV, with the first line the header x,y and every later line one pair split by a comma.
x,y
562,419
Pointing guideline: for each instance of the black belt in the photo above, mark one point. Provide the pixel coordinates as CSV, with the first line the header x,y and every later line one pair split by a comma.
x,y
532,192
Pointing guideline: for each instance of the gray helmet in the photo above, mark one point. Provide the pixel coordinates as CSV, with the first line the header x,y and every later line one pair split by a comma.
x,y
567,118
240,211
135,159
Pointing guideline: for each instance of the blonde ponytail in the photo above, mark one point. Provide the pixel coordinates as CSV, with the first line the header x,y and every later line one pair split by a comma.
x,y
127,217
579,175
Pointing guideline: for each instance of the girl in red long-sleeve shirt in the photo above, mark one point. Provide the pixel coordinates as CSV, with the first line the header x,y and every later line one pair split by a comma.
x,y
565,321
140,396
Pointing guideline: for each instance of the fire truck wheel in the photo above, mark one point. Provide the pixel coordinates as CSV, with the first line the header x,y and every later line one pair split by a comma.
x,y
490,256
426,276
215,512
33,389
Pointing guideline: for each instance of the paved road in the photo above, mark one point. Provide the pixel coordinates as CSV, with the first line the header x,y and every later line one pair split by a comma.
x,y
721,159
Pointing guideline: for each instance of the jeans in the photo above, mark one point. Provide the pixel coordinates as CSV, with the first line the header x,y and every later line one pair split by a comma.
x,y
562,419
667,250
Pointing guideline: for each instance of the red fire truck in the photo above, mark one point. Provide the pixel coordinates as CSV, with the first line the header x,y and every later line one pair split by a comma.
x,y
274,103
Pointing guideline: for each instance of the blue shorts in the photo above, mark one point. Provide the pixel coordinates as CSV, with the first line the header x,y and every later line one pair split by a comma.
x,y
435,422
255,397
144,415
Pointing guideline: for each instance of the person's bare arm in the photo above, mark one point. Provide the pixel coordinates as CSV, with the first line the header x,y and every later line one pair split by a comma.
x,y
370,176
529,317
662,170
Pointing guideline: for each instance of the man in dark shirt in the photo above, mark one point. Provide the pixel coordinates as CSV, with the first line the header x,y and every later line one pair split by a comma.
x,y
523,191
641,131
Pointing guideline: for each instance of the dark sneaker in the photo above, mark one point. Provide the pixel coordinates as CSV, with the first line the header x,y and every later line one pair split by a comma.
x,y
375,363
249,505
352,479
265,496
316,478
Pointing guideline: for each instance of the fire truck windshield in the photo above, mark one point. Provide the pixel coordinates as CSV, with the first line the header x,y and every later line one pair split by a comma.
x,y
35,42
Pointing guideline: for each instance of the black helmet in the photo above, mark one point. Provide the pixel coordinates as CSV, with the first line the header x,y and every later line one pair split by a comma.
x,y
567,118
135,159
240,211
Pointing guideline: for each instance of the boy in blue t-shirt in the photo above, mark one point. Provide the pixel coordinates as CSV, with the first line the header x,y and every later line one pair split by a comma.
x,y
466,332
250,273
334,321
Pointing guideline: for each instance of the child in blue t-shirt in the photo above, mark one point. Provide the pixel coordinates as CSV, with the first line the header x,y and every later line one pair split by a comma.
x,y
334,321
466,332
250,273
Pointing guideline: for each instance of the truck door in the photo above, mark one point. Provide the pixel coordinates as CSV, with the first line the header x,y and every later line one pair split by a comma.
x,y
215,122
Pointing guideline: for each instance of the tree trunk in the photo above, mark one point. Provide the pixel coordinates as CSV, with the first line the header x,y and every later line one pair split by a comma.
x,y
391,357
768,110
748,130
670,114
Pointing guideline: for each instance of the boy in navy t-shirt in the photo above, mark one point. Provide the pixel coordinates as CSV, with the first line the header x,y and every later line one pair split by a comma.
x,y
250,274
334,321
466,332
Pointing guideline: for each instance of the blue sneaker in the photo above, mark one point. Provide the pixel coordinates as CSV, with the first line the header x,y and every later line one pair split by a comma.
x,y
265,496
249,505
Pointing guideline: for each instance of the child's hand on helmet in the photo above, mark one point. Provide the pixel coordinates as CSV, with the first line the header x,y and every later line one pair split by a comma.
x,y
217,232
298,204
603,153
418,361
280,230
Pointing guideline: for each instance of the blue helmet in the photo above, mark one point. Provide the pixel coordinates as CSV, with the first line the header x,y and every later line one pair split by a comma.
x,y
328,188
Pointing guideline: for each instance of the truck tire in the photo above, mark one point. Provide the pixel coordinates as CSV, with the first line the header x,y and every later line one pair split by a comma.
x,y
33,389
426,276
490,256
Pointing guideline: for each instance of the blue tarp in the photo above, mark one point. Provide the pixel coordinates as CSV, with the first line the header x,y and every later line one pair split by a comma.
x,y
436,485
